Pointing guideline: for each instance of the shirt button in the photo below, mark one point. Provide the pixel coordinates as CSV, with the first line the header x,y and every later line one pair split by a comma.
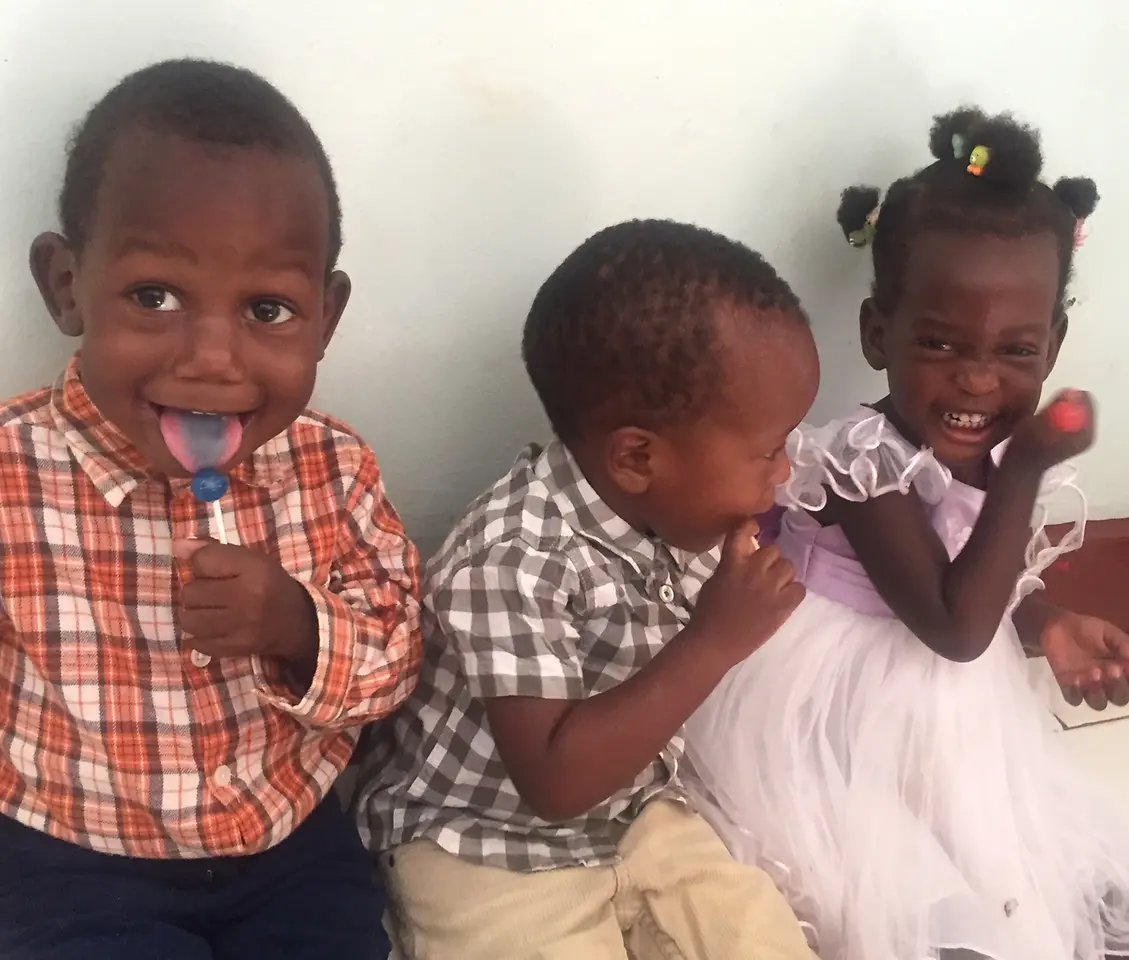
x,y
666,593
199,659
222,777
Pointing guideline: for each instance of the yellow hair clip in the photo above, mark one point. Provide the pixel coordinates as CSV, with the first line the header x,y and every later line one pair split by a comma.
x,y
865,234
978,160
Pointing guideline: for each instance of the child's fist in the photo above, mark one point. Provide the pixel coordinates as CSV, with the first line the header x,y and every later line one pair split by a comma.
x,y
1060,431
240,603
751,594
1068,415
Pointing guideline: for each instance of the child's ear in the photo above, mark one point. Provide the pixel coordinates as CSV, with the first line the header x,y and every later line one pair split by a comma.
x,y
337,292
630,459
53,265
872,334
1058,334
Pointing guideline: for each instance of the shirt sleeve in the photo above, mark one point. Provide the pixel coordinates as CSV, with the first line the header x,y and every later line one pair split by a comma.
x,y
368,619
507,617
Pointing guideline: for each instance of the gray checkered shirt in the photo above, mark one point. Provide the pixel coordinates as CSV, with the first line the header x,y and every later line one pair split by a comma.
x,y
540,591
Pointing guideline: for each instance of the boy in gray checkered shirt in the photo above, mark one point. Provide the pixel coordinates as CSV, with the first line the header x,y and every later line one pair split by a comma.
x,y
582,610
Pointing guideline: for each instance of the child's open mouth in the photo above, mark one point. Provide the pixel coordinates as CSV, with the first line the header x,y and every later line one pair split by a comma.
x,y
968,427
201,438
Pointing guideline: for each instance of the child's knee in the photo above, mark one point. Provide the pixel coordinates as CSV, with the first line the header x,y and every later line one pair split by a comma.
x,y
446,907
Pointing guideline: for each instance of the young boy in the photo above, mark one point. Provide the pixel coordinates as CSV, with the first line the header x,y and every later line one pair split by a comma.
x,y
583,609
174,710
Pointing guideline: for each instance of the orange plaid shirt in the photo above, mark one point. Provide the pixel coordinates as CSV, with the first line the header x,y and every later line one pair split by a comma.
x,y
115,734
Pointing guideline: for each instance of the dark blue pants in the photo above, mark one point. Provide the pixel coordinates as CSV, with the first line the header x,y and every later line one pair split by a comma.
x,y
314,896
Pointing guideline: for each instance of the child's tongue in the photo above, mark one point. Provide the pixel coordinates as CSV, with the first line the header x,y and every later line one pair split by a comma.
x,y
199,440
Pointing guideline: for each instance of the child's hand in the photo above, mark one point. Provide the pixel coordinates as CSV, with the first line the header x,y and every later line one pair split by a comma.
x,y
751,594
1058,432
240,603
1089,658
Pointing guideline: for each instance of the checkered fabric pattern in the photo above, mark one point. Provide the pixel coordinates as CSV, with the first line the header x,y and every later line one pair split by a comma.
x,y
540,591
114,734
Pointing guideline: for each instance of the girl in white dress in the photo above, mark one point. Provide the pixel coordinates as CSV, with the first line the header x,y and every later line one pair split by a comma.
x,y
884,753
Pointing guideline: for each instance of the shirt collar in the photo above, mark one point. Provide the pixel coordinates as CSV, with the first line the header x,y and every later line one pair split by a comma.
x,y
584,510
114,465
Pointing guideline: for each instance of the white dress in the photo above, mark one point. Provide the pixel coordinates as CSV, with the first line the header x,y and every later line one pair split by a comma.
x,y
904,803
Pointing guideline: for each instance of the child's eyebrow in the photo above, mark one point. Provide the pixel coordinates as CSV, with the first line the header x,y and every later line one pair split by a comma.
x,y
164,248
1021,329
279,261
933,324
297,261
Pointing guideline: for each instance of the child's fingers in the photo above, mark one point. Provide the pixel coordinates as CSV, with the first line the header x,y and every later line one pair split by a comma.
x,y
187,549
204,626
772,566
1071,411
741,542
1095,696
1071,692
1118,643
1117,689
210,559
206,593
793,594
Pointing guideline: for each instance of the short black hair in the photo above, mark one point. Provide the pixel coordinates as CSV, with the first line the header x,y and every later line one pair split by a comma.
x,y
985,180
624,331
200,100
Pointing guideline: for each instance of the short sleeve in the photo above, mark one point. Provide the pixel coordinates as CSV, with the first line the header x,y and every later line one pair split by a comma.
x,y
507,616
858,458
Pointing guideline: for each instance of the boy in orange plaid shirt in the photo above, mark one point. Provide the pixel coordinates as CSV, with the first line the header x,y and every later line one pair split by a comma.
x,y
174,710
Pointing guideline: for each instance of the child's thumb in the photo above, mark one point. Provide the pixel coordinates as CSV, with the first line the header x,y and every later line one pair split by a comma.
x,y
185,550
741,541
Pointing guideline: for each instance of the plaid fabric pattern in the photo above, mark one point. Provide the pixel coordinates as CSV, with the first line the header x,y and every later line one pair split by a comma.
x,y
540,591
114,734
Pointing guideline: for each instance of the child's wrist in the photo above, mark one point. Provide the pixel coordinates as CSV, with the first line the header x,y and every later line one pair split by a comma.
x,y
1019,466
296,626
709,652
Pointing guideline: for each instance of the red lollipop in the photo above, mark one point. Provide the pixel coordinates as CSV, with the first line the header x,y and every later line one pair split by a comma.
x,y
1068,416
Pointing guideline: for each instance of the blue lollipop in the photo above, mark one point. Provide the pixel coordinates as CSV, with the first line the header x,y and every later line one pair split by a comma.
x,y
208,486
201,442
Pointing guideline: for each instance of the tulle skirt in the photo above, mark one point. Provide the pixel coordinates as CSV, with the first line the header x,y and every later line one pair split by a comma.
x,y
906,804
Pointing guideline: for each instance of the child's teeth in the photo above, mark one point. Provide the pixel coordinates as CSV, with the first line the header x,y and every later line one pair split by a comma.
x,y
969,420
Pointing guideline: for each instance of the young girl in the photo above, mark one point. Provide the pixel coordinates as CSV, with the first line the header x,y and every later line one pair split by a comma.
x,y
884,753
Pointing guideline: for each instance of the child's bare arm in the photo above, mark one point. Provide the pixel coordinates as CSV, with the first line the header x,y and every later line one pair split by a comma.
x,y
568,753
955,607
567,756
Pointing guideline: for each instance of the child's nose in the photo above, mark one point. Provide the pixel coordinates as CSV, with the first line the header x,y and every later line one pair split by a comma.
x,y
782,470
978,377
210,349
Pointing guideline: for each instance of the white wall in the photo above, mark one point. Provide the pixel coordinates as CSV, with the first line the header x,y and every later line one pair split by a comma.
x,y
477,142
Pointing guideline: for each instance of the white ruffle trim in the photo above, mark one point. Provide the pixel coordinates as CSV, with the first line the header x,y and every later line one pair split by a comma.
x,y
1041,552
858,459
863,456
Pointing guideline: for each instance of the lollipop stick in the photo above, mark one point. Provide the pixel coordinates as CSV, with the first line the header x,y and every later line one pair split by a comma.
x,y
217,516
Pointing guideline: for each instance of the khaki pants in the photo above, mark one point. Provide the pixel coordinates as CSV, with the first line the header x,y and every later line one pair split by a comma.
x,y
675,895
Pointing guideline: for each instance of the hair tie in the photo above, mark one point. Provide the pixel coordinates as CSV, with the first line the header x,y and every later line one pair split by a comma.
x,y
865,234
1079,232
978,160
977,157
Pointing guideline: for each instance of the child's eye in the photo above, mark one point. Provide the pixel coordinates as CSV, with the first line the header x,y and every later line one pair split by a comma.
x,y
156,298
775,454
929,343
269,312
1021,350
